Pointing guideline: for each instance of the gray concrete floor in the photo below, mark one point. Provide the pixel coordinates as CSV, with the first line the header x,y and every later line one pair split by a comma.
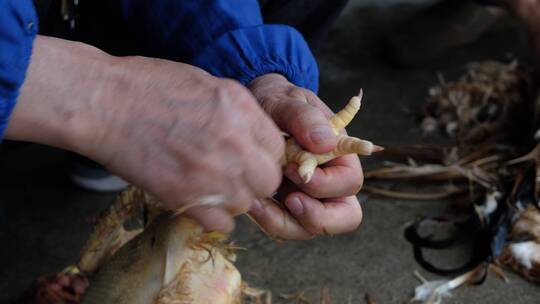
x,y
44,221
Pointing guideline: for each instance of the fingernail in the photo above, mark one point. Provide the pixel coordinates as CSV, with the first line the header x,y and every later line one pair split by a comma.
x,y
257,208
295,206
321,134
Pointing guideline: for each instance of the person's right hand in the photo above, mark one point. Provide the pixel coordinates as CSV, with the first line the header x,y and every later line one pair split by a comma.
x,y
170,128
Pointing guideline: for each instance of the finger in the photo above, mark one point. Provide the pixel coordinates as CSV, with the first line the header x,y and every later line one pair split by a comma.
x,y
212,218
212,188
240,201
262,173
253,118
315,101
305,122
340,177
277,222
338,215
268,136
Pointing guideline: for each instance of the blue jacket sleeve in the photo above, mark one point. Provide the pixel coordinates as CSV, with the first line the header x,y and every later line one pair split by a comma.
x,y
224,37
18,28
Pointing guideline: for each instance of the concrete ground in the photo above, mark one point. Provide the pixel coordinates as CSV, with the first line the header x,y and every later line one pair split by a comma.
x,y
44,220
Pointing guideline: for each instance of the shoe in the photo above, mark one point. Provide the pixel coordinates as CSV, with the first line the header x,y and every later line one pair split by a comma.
x,y
440,28
94,177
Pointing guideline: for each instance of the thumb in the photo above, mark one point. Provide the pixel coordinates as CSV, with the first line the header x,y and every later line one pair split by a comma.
x,y
305,122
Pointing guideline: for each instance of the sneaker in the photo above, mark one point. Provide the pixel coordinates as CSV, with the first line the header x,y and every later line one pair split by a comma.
x,y
92,176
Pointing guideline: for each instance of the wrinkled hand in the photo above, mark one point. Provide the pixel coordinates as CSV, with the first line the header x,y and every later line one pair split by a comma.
x,y
325,205
183,135
170,128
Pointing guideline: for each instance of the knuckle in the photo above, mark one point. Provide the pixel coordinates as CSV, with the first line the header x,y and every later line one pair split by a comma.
x,y
297,93
296,115
232,140
317,227
230,86
232,146
236,92
242,203
299,109
310,95
308,117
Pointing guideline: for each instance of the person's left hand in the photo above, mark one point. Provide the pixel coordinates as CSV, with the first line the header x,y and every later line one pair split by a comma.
x,y
325,205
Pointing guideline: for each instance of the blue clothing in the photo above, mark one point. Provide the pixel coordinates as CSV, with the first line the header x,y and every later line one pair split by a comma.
x,y
18,28
227,38
224,37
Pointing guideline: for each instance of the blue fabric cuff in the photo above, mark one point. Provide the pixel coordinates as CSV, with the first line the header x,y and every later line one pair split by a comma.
x,y
246,53
18,28
7,104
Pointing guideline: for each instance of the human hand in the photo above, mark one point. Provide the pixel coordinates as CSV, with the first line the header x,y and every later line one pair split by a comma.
x,y
173,129
325,205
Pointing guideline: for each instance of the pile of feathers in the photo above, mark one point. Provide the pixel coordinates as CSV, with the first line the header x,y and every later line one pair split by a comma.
x,y
491,170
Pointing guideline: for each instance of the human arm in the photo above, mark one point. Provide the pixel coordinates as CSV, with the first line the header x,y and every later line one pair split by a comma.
x,y
170,128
